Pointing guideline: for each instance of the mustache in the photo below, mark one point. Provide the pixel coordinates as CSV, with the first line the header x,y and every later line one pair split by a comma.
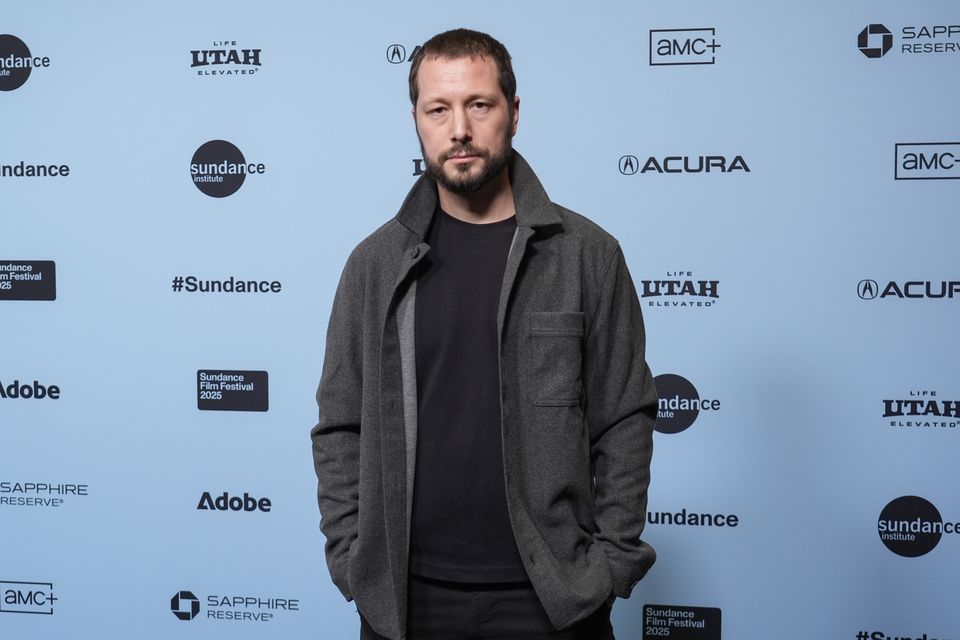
x,y
464,150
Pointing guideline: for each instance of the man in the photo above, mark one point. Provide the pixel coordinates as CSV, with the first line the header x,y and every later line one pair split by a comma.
x,y
486,411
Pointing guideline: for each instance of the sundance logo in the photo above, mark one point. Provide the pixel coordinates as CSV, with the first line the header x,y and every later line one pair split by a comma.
x,y
225,502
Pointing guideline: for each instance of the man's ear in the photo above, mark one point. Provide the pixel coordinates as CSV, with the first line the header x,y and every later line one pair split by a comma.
x,y
516,115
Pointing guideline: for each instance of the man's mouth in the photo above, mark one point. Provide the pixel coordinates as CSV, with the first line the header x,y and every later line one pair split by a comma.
x,y
463,155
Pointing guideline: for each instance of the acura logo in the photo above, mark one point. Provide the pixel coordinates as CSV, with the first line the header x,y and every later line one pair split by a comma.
x,y
396,53
629,165
868,289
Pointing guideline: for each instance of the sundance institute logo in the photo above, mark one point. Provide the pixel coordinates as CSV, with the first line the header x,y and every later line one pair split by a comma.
x,y
16,62
679,403
911,526
219,169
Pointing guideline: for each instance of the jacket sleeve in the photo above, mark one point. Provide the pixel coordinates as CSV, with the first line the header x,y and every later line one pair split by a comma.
x,y
621,407
336,437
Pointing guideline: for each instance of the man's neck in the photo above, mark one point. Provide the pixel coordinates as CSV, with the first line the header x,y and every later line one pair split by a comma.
x,y
492,203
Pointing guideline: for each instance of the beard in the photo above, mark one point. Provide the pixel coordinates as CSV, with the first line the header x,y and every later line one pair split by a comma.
x,y
462,182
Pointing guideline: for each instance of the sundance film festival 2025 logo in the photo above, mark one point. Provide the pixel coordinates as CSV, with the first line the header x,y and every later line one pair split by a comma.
x,y
631,165
226,502
927,161
40,494
185,605
27,597
876,40
225,59
680,622
28,280
17,63
869,289
911,526
226,390
679,403
397,53
670,47
680,289
922,409
219,169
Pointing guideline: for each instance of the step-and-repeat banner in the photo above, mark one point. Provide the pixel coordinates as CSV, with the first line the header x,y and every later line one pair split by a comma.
x,y
785,182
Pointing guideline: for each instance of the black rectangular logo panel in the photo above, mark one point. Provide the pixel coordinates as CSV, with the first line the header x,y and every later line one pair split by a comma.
x,y
222,390
680,622
28,280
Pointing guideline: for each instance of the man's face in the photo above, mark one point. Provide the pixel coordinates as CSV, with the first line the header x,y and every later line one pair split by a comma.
x,y
463,121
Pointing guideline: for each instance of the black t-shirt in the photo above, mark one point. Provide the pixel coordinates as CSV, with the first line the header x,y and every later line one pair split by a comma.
x,y
460,528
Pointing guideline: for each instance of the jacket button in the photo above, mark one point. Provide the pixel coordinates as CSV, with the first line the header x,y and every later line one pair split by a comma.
x,y
414,252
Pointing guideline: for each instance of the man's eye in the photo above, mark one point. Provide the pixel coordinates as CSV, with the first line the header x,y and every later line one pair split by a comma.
x,y
437,110
481,105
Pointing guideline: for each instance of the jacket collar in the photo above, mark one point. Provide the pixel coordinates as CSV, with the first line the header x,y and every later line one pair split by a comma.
x,y
533,206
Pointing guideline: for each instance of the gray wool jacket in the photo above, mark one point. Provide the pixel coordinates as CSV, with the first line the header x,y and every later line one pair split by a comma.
x,y
577,410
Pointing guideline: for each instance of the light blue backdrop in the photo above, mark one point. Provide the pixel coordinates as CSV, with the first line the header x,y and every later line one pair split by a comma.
x,y
799,449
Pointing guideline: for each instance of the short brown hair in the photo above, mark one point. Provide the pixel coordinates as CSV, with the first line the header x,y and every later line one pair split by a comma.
x,y
463,43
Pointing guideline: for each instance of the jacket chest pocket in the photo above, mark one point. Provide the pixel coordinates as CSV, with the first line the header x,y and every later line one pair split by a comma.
x,y
554,357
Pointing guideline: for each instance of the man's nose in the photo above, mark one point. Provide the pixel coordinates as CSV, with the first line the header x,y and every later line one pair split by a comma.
x,y
461,126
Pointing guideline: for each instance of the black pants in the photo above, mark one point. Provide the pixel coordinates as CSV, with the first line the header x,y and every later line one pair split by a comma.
x,y
438,610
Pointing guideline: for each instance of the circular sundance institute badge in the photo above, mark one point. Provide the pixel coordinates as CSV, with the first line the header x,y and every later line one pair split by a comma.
x,y
218,168
679,403
15,62
910,526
